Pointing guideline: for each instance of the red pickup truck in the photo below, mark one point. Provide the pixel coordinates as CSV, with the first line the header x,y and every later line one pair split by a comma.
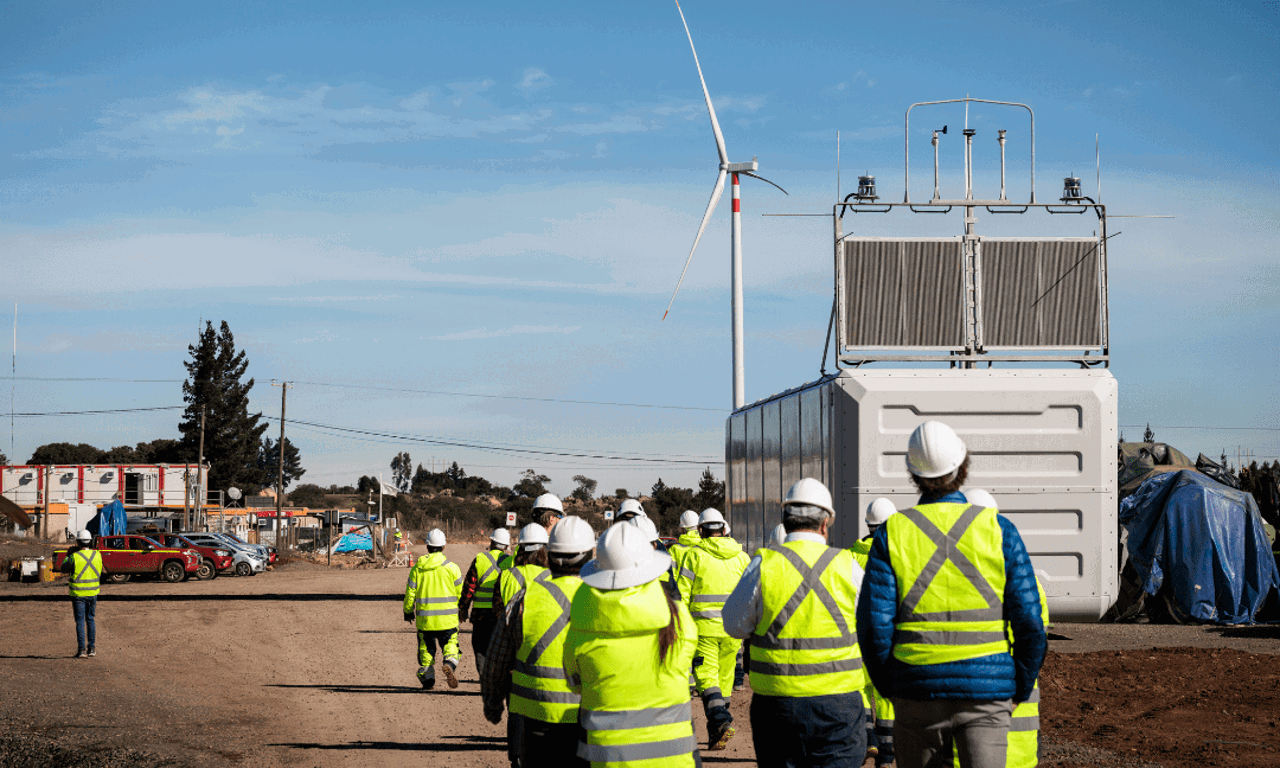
x,y
125,556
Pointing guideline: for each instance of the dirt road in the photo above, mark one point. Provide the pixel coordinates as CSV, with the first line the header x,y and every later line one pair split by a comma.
x,y
308,666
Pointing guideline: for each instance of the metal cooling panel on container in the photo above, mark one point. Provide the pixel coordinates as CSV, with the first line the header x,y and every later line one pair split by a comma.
x,y
902,292
771,466
755,474
1041,293
792,448
736,475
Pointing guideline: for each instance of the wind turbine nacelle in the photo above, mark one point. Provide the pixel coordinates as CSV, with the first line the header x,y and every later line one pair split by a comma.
x,y
751,167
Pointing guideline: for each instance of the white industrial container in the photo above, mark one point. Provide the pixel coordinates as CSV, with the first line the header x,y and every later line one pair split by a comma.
x,y
1043,442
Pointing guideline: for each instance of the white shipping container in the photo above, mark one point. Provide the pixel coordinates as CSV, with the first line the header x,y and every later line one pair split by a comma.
x,y
1043,442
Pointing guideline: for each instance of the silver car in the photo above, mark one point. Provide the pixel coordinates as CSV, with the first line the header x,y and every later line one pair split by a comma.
x,y
246,560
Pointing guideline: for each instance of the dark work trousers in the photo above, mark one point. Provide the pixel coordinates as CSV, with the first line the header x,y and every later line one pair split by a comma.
x,y
515,738
551,745
85,610
809,731
482,631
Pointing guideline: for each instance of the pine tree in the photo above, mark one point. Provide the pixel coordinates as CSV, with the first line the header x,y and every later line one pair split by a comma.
x,y
710,491
232,436
269,463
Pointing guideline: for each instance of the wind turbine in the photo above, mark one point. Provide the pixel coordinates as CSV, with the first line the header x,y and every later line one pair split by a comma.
x,y
734,169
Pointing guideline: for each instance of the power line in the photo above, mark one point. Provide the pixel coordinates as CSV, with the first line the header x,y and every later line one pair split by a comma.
x,y
106,410
404,390
1229,429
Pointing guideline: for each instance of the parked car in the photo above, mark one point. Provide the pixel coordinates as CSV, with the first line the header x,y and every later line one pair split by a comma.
x,y
130,555
213,561
271,551
247,561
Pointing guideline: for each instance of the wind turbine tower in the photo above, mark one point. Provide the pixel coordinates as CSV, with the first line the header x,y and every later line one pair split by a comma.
x,y
726,169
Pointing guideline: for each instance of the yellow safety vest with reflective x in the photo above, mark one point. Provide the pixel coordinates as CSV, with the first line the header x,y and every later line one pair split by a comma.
x,y
432,593
1024,728
633,707
539,687
86,572
708,573
487,572
861,550
948,559
806,643
683,546
518,578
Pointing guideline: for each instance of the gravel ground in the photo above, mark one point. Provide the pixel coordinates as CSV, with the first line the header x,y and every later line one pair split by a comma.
x,y
310,666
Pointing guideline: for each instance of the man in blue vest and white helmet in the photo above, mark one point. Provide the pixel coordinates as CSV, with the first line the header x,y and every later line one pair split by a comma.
x,y
796,603
944,580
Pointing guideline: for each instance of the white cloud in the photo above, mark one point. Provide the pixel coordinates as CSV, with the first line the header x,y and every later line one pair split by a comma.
x,y
535,79
515,330
616,124
537,138
602,149
417,102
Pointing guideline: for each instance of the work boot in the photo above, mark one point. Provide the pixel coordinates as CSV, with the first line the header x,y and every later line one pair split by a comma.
x,y
719,735
427,676
80,654
450,677
93,652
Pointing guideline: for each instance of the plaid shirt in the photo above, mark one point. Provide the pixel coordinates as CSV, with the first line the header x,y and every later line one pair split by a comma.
x,y
495,679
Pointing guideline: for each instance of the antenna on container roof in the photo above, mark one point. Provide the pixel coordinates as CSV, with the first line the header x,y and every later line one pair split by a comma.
x,y
837,163
1097,159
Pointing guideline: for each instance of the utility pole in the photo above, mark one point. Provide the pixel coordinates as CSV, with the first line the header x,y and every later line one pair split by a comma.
x,y
284,390
199,512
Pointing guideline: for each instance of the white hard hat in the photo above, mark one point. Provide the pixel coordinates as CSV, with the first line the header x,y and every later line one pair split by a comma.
x,y
879,511
501,536
934,450
710,517
435,538
624,558
646,525
533,536
631,507
778,536
689,519
981,498
549,501
84,536
571,535
808,492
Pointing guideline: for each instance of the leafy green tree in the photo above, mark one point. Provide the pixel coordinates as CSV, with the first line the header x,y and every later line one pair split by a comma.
x,y
710,492
4,460
586,488
269,463
621,493
1148,436
232,435
66,453
308,495
402,471
532,484
666,505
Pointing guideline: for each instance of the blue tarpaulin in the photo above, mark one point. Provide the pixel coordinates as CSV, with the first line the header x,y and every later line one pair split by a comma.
x,y
1202,540
356,541
110,520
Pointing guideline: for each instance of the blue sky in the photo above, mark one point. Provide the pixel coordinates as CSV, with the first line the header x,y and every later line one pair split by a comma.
x,y
496,199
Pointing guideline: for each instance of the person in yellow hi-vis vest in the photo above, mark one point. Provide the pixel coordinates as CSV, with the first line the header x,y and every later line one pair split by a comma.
x,y
796,604
948,583
688,538
84,563
478,588
1024,727
879,708
707,575
527,655
628,654
528,566
431,602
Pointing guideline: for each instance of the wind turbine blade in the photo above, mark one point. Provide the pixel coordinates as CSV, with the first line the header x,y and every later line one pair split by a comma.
x,y
715,124
706,217
766,181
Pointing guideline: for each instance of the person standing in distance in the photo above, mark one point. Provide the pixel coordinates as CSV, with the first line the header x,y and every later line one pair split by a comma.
x,y
796,605
688,539
431,602
880,717
628,653
944,579
709,573
84,563
528,651
477,594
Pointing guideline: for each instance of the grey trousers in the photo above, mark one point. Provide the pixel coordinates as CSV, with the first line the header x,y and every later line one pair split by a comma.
x,y
924,732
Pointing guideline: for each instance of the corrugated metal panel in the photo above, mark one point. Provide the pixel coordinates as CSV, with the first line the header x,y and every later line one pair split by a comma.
x,y
903,293
736,477
792,448
755,471
1042,293
771,429
811,443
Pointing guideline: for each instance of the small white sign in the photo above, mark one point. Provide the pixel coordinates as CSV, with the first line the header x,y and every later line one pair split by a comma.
x,y
511,519
608,514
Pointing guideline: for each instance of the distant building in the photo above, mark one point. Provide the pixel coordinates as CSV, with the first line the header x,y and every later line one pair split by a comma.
x,y
157,486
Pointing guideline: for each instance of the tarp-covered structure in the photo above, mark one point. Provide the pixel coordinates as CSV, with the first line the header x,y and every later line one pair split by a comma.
x,y
1139,462
358,540
110,520
1198,546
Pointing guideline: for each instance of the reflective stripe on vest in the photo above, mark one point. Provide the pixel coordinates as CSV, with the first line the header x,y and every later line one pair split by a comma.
x,y
86,568
709,613
632,719
432,594
961,619
487,582
515,579
824,658
539,691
